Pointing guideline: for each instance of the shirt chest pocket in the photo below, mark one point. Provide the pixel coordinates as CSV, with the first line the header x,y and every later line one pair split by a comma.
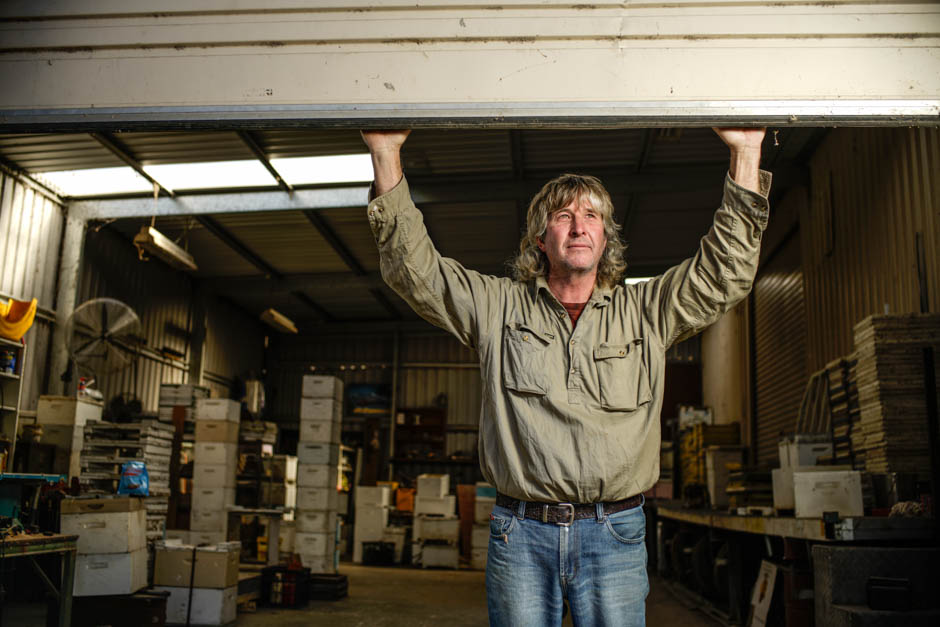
x,y
622,378
524,358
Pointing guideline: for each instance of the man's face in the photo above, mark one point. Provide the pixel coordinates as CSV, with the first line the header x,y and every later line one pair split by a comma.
x,y
574,239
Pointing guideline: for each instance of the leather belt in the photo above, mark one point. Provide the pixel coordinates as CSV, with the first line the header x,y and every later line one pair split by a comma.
x,y
566,513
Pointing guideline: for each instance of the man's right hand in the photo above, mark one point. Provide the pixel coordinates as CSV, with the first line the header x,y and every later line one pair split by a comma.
x,y
385,148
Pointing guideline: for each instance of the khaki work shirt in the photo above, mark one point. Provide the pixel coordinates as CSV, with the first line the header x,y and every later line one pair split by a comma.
x,y
571,415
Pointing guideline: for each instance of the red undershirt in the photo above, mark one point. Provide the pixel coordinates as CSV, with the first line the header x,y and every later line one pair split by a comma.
x,y
574,311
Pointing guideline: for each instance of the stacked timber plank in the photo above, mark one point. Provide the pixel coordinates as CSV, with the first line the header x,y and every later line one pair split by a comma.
x,y
179,399
108,445
891,390
845,415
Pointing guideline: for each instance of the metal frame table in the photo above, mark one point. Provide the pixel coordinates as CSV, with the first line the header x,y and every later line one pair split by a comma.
x,y
30,546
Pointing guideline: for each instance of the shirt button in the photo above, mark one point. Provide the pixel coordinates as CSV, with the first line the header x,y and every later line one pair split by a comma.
x,y
573,342
525,338
572,371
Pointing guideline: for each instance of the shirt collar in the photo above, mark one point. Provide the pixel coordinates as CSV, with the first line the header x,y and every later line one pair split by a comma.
x,y
600,297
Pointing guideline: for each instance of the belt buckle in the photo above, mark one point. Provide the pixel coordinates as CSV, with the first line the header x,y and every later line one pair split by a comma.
x,y
570,509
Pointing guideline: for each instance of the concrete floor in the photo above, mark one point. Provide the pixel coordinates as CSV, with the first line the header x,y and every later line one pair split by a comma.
x,y
388,597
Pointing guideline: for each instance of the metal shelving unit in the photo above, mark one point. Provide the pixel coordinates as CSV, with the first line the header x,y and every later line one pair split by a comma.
x,y
11,385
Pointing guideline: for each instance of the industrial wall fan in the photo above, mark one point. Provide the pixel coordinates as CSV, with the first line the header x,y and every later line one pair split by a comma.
x,y
103,335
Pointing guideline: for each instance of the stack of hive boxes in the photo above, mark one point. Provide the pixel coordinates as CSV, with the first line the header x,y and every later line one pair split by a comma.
x,y
480,539
321,414
182,396
371,511
215,465
112,544
436,526
63,421
214,591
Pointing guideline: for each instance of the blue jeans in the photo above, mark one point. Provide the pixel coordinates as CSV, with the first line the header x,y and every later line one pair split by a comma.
x,y
597,564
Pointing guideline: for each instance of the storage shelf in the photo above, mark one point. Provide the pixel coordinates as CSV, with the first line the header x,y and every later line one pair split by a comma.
x,y
7,375
5,342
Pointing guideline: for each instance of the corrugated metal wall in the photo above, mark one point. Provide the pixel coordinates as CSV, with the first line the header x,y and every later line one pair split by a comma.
x,y
162,298
780,323
30,237
873,191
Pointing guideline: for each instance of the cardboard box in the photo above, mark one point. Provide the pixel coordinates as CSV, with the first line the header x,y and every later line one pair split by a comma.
x,y
211,606
213,498
445,506
320,431
440,556
110,573
207,519
319,499
315,521
317,453
836,491
216,565
217,431
445,528
482,509
218,409
480,536
214,475
320,386
216,453
317,475
324,409
67,410
803,449
105,525
373,496
433,486
317,543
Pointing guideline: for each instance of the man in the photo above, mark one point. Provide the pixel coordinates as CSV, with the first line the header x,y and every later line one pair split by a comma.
x,y
572,362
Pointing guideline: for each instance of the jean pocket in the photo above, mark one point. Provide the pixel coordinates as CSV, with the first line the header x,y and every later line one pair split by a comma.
x,y
501,524
628,527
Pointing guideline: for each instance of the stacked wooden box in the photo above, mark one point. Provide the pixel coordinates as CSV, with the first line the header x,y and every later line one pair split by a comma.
x,y
109,445
215,465
315,518
436,526
692,445
63,420
480,538
214,576
112,544
891,391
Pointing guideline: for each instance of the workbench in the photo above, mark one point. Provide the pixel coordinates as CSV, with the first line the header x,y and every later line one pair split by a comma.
x,y
29,546
863,528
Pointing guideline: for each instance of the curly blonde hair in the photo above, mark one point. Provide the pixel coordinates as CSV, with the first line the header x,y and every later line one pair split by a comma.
x,y
554,195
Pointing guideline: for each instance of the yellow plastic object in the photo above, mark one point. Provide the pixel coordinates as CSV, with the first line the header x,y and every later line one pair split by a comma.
x,y
16,317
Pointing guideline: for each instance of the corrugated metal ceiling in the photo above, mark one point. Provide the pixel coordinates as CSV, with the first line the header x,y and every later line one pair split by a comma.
x,y
663,227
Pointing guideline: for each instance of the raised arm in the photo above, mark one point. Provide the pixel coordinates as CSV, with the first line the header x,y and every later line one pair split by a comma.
x,y
385,148
689,297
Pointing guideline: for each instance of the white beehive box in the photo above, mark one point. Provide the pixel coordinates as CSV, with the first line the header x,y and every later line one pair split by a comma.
x,y
116,525
321,386
832,491
104,574
440,556
433,486
317,453
218,409
444,506
320,431
445,528
67,410
316,498
211,606
325,409
803,449
317,475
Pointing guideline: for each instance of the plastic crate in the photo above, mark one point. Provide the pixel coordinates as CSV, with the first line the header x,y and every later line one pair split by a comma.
x,y
282,587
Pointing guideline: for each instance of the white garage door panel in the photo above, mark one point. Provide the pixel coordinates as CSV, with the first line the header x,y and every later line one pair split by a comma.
x,y
433,63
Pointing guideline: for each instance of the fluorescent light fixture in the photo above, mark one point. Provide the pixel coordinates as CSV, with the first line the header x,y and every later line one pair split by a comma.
x,y
96,182
211,174
278,320
635,280
329,169
152,241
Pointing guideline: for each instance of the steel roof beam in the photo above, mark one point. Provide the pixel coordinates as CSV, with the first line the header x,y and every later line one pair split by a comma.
x,y
122,152
322,313
249,139
238,246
